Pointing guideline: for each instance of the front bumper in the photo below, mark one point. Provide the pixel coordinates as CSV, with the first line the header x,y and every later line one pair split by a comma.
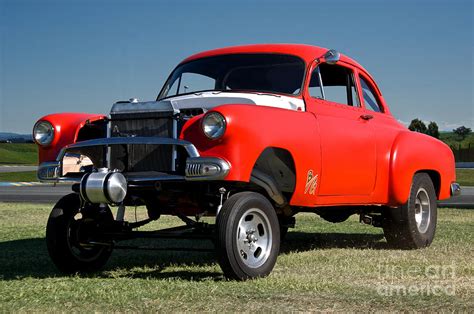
x,y
197,168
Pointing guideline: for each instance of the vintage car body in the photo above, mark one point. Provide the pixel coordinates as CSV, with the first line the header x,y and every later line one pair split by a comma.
x,y
298,151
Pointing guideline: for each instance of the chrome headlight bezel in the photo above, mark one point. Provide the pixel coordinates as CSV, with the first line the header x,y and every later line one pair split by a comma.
x,y
213,125
46,128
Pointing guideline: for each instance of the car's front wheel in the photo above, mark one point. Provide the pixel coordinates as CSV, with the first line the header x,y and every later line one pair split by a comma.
x,y
248,236
413,225
67,234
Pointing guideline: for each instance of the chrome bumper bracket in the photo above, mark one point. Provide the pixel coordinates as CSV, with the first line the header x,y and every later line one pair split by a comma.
x,y
455,189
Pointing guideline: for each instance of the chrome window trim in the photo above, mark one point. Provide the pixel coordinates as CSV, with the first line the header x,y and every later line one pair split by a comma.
x,y
320,79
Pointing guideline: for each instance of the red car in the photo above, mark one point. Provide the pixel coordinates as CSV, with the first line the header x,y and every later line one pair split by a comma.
x,y
251,135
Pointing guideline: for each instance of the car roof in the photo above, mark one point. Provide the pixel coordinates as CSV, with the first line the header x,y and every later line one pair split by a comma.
x,y
306,52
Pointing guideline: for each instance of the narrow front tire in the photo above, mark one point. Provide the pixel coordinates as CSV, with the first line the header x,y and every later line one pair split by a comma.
x,y
248,236
68,231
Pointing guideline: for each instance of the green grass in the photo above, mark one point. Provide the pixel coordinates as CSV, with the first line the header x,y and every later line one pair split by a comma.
x,y
322,266
18,154
465,177
26,176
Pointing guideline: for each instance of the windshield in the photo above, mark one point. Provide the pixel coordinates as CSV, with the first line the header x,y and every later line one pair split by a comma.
x,y
266,73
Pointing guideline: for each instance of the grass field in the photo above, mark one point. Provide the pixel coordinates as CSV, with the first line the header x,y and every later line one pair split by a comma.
x,y
18,154
465,177
322,266
27,176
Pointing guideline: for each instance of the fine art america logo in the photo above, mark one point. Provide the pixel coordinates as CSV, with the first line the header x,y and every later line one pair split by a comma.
x,y
422,280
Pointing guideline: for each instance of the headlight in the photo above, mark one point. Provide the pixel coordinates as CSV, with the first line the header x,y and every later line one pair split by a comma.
x,y
213,125
43,133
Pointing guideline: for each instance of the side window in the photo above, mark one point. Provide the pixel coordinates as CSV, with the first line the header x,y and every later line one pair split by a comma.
x,y
337,85
370,100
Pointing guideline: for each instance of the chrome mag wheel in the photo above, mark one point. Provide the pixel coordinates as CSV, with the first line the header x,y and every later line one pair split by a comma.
x,y
422,210
254,238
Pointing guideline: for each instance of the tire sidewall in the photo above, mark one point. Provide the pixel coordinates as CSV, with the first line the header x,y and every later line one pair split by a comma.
x,y
57,238
230,221
421,180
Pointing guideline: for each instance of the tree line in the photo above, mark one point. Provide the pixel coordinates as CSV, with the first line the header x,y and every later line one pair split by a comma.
x,y
432,129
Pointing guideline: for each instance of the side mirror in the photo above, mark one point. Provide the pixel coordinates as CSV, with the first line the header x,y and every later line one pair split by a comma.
x,y
332,56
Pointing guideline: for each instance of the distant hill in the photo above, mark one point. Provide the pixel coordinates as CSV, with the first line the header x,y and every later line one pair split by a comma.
x,y
15,138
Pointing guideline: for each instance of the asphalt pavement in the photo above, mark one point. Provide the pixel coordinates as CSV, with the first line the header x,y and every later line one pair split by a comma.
x,y
465,200
44,193
17,168
48,193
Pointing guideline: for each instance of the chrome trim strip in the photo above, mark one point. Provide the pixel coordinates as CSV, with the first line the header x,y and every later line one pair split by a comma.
x,y
455,189
193,164
190,148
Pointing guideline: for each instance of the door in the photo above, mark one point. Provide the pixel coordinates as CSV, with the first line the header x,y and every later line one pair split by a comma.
x,y
348,144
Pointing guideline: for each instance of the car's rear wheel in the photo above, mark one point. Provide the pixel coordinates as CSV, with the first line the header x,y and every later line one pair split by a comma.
x,y
248,236
68,231
413,225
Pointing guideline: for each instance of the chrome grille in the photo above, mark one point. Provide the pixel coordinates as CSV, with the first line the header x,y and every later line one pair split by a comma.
x,y
142,157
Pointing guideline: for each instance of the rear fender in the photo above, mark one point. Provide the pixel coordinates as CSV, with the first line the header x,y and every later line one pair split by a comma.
x,y
414,152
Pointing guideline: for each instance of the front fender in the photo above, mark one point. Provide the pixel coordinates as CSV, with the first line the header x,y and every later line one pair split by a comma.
x,y
251,129
66,129
413,152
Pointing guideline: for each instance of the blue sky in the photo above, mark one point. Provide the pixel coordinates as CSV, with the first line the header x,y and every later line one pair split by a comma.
x,y
69,56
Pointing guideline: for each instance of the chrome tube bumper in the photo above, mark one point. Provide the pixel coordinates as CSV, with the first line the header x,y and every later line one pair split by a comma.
x,y
190,148
197,168
455,189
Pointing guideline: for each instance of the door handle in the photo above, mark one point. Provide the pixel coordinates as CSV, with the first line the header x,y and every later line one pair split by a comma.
x,y
367,116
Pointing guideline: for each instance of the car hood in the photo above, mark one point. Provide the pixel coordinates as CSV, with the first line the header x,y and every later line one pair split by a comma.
x,y
209,100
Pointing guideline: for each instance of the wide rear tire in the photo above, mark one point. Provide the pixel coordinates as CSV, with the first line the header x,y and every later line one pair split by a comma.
x,y
248,236
66,231
413,225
